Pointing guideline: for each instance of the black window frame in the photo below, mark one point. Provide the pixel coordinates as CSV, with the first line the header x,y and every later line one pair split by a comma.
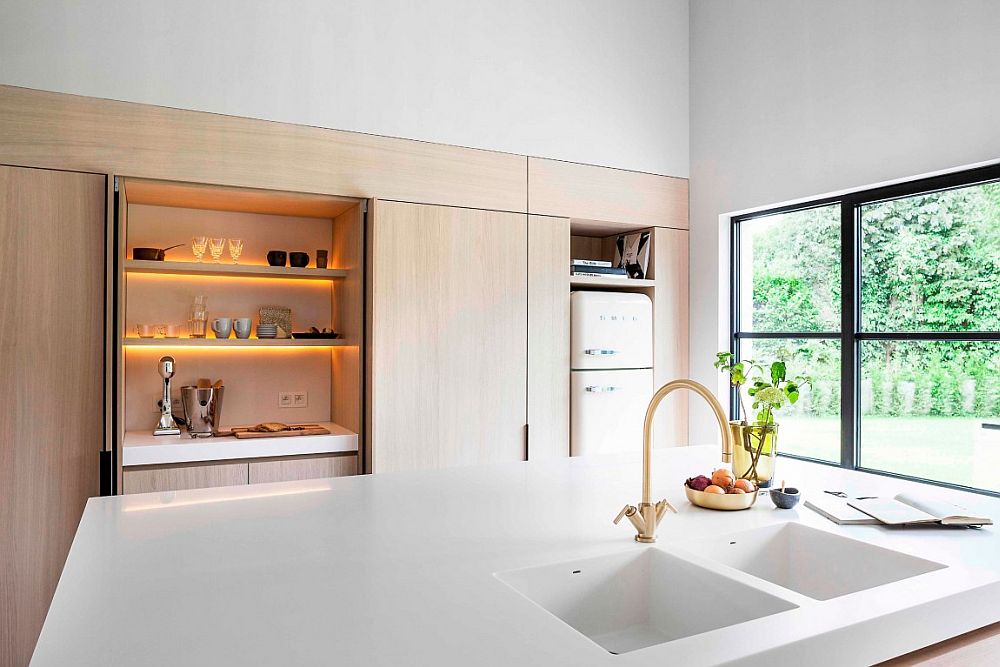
x,y
850,335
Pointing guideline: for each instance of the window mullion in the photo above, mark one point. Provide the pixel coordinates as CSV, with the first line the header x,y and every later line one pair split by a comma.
x,y
849,309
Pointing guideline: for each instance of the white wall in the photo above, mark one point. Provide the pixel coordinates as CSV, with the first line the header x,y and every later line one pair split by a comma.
x,y
583,80
795,98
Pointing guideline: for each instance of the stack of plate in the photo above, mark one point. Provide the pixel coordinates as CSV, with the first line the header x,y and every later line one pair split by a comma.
x,y
267,330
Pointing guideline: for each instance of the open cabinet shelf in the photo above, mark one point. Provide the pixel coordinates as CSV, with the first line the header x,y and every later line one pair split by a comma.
x,y
328,371
233,342
609,283
232,270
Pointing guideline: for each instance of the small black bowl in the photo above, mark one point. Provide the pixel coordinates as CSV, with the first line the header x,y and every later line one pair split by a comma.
x,y
786,499
299,259
276,257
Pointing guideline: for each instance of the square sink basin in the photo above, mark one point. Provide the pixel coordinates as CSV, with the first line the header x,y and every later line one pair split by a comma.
x,y
632,600
809,561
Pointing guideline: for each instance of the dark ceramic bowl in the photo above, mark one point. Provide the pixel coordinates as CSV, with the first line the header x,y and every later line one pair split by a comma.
x,y
786,499
276,257
299,259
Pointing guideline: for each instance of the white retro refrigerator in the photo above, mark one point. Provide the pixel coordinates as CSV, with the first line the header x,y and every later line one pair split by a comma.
x,y
611,376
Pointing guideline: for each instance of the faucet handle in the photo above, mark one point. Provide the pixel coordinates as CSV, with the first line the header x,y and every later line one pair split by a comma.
x,y
661,509
628,510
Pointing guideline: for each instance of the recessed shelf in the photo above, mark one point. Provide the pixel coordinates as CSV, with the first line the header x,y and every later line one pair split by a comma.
x,y
144,448
233,270
609,283
233,342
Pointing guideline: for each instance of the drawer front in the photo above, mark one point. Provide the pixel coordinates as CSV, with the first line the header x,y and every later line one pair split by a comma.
x,y
287,470
177,478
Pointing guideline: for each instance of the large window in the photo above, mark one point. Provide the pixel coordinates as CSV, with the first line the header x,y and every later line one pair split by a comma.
x,y
889,299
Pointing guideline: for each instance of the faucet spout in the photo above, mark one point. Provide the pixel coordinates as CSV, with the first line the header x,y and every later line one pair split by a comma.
x,y
652,514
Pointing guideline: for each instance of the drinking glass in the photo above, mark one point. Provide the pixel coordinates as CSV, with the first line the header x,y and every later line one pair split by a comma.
x,y
215,247
235,249
198,245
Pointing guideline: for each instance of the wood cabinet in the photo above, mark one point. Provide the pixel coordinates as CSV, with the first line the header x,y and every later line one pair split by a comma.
x,y
586,192
548,337
145,479
52,227
312,467
448,308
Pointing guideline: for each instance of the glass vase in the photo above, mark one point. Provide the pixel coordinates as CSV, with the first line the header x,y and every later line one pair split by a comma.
x,y
755,447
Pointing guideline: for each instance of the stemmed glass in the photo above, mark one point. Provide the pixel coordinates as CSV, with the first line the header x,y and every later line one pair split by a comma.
x,y
235,249
198,245
215,247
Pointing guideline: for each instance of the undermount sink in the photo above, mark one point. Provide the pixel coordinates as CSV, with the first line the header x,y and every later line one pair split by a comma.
x,y
632,600
809,561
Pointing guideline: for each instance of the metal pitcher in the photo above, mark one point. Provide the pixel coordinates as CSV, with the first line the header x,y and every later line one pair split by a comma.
x,y
202,410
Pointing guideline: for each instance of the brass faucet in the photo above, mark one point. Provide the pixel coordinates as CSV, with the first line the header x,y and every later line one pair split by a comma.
x,y
647,516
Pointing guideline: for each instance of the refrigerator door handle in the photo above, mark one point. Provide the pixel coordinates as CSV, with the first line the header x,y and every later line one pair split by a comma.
x,y
597,389
600,352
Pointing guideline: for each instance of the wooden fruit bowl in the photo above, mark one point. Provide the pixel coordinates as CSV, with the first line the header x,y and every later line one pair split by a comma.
x,y
716,501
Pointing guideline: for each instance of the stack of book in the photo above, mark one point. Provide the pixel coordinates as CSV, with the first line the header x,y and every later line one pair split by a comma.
x,y
596,268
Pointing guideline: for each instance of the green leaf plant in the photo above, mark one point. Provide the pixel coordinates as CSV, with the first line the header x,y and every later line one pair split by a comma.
x,y
769,389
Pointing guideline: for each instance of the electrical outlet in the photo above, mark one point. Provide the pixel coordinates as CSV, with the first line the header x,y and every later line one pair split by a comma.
x,y
285,399
175,405
300,399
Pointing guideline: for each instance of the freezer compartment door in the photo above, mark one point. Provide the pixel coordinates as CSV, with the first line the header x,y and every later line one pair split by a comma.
x,y
607,410
611,330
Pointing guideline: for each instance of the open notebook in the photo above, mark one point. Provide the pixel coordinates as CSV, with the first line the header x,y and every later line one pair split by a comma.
x,y
903,510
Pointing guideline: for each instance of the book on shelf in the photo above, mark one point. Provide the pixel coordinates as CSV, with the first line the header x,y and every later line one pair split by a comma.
x,y
603,270
589,262
593,274
902,510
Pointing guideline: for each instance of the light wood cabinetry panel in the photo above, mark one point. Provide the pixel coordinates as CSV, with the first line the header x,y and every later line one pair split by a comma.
x,y
52,248
979,647
70,132
587,192
548,337
449,322
287,470
670,331
177,478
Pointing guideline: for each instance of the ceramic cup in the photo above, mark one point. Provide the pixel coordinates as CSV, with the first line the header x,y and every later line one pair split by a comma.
x,y
276,257
222,326
242,326
145,330
299,259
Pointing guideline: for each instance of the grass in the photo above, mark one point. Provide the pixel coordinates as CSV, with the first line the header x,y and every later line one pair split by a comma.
x,y
947,449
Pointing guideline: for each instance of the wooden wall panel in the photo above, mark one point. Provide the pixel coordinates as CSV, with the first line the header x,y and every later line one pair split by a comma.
x,y
548,337
670,331
572,190
52,248
62,131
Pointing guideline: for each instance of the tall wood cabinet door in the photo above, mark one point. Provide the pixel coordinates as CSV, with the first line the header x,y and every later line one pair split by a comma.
x,y
52,246
448,331
548,337
670,332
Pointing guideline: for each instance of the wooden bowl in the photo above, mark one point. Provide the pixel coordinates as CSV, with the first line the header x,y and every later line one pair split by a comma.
x,y
715,501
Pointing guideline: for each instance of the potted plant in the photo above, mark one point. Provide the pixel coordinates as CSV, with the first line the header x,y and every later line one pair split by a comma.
x,y
755,442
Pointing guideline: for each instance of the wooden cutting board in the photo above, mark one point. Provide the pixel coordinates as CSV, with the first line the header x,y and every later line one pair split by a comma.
x,y
308,429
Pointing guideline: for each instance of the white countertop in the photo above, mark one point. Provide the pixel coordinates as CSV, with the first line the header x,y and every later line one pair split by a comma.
x,y
142,448
398,569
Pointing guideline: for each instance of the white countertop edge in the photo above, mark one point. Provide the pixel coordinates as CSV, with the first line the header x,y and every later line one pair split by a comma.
x,y
143,448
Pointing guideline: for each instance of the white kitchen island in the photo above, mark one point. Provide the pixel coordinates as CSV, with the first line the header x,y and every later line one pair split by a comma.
x,y
399,569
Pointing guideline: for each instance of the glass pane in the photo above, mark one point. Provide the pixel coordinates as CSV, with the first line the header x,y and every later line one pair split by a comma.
x,y
926,408
811,426
789,268
932,262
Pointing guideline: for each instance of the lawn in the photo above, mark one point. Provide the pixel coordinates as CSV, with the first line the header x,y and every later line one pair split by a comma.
x,y
949,449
